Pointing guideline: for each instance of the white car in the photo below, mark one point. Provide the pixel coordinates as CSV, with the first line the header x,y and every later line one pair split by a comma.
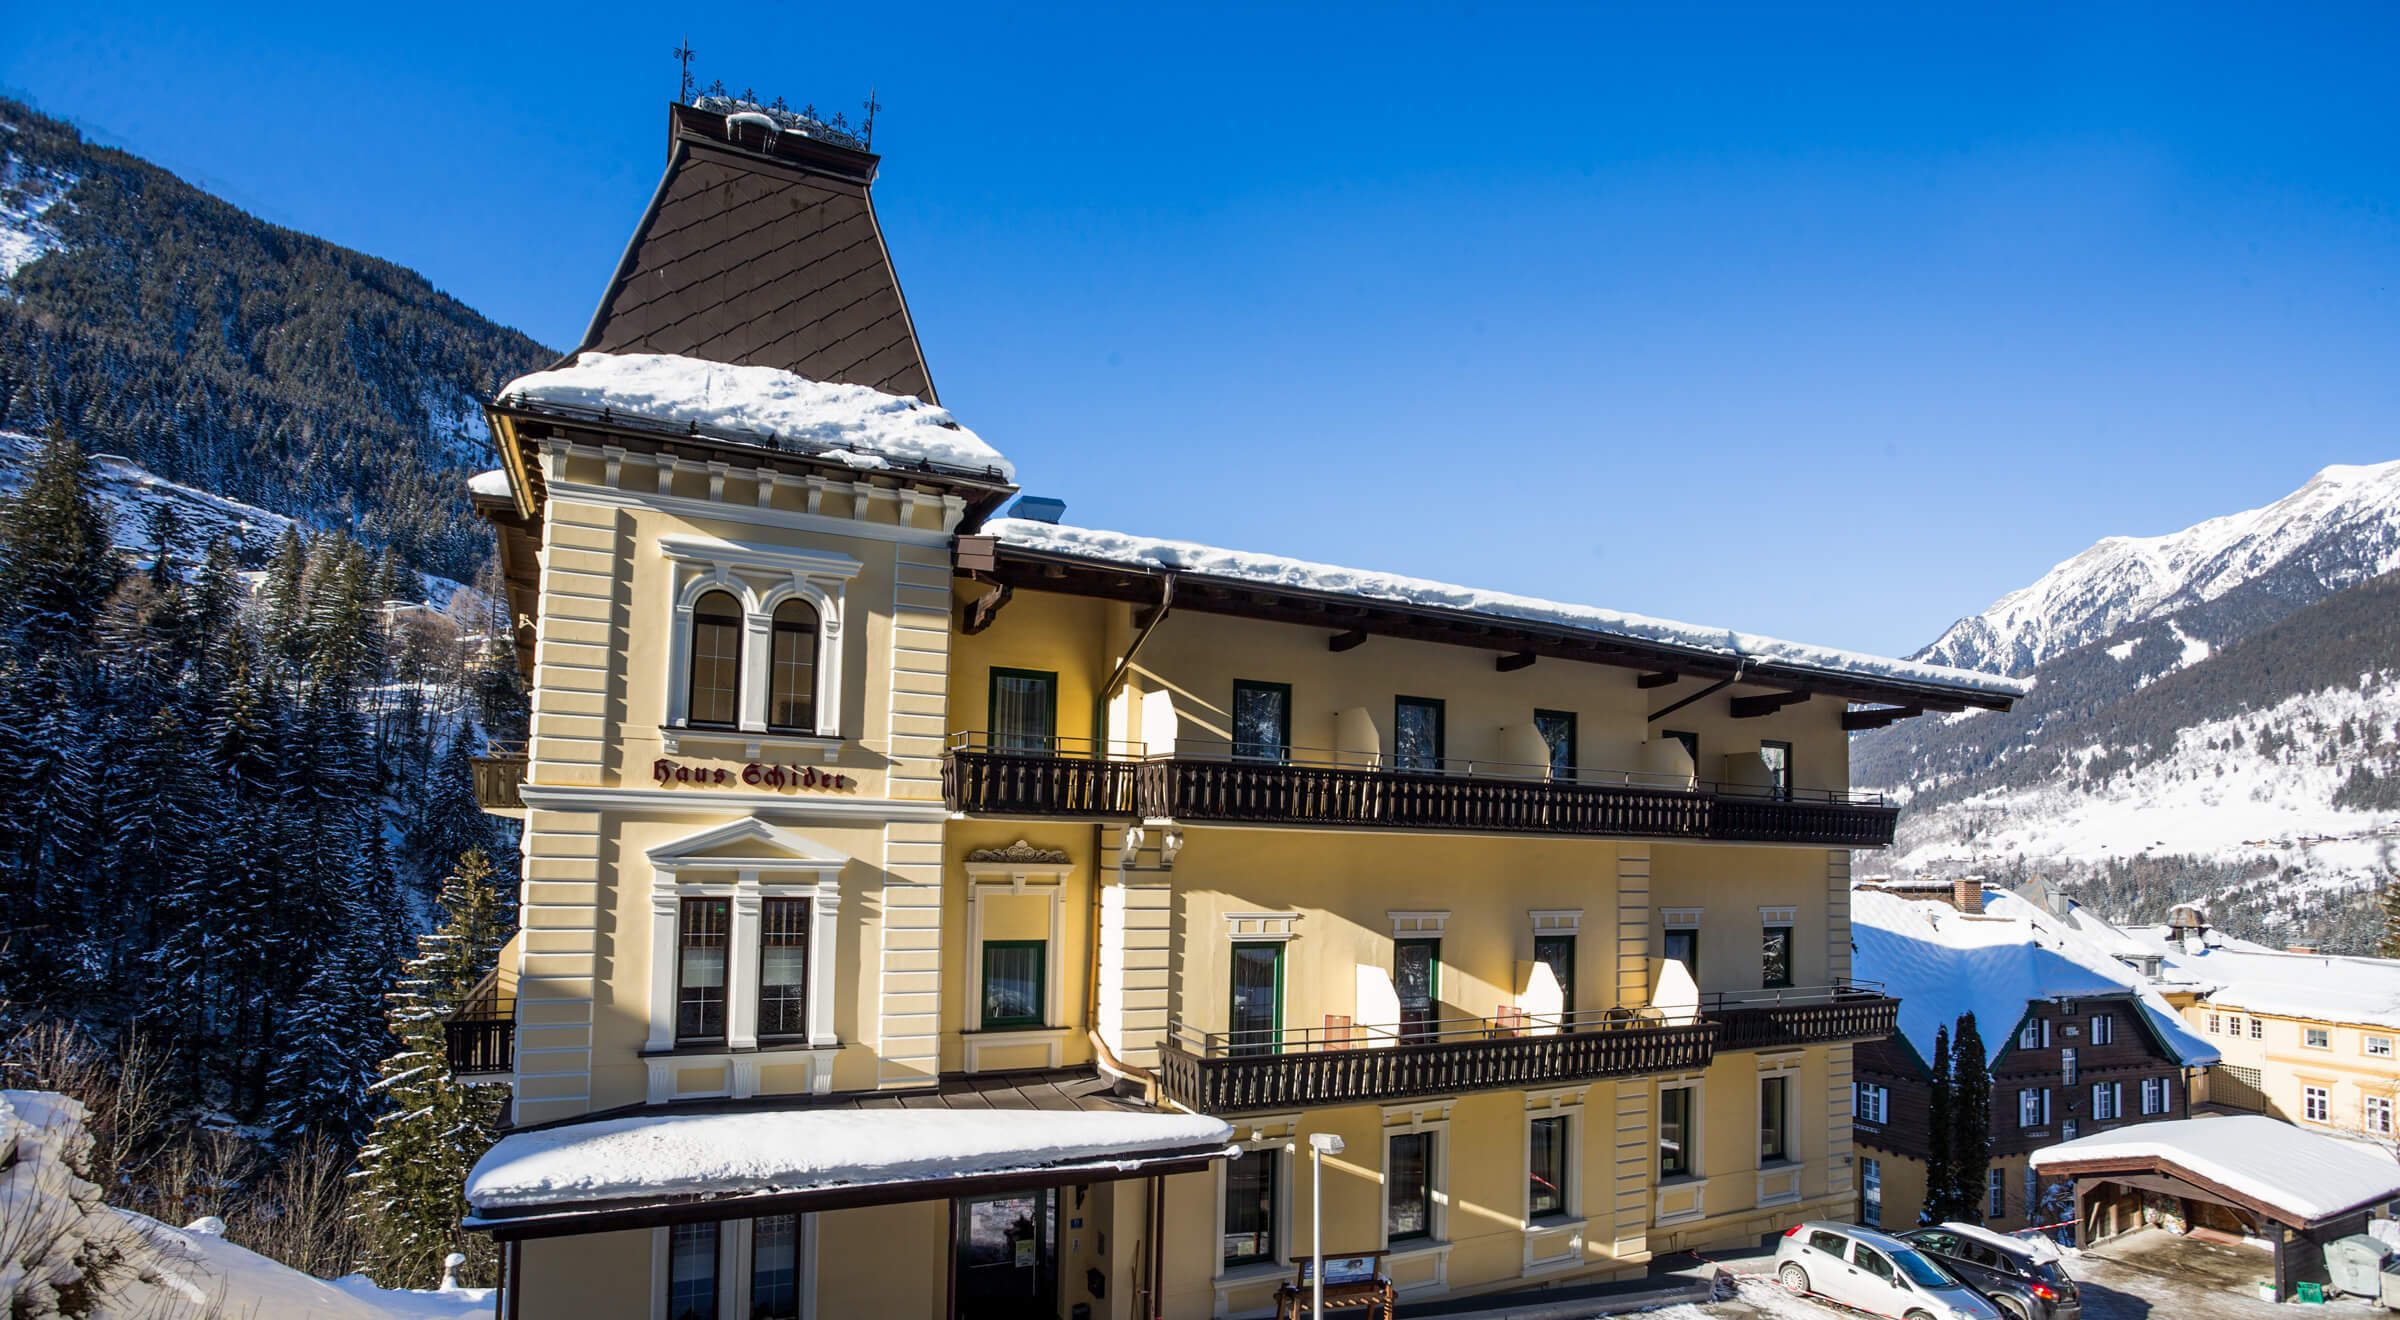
x,y
1873,1272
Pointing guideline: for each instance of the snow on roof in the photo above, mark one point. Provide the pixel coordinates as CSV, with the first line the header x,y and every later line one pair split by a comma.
x,y
865,428
1152,552
492,484
656,1155
1942,963
2031,1244
2237,974
2305,1175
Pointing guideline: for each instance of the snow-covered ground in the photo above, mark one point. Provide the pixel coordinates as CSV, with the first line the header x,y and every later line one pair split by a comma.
x,y
28,193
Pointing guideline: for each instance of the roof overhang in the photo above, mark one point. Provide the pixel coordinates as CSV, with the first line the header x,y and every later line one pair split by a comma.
x,y
988,558
2207,1188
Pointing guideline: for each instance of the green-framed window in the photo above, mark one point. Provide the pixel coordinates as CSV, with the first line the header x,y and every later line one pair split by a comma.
x,y
1255,1017
1557,728
1024,711
1262,721
1417,975
1014,984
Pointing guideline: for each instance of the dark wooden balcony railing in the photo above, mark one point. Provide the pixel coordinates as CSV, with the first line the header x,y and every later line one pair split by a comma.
x,y
1216,1073
1506,799
1805,1015
499,774
481,1039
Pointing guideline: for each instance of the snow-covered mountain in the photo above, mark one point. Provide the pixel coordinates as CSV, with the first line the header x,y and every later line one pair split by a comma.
x,y
2340,529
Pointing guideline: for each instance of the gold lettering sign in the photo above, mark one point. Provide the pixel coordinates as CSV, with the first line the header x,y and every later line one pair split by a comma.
x,y
756,774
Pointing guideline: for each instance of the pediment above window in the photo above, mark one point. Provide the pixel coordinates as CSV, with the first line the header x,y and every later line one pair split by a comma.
x,y
749,844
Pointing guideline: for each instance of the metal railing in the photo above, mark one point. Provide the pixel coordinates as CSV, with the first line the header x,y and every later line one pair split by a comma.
x,y
1201,782
1802,1015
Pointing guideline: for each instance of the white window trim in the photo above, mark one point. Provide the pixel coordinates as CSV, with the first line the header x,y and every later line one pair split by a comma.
x,y
1778,1180
691,867
1778,916
2306,1043
734,1262
1684,1197
2366,1046
1874,1104
1870,1191
1418,925
2320,1092
1261,927
1556,921
760,578
1561,1234
1680,918
1400,1120
1995,1192
1046,879
2366,1114
2104,1028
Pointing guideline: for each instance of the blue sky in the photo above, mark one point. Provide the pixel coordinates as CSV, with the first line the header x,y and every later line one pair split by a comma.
x,y
1833,323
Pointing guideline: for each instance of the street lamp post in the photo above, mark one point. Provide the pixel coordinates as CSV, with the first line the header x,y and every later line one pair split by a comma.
x,y
1320,1145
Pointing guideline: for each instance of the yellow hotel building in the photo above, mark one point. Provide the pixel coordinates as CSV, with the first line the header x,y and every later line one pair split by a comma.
x,y
932,913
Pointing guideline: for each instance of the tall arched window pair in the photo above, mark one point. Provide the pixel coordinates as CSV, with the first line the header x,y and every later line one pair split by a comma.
x,y
716,696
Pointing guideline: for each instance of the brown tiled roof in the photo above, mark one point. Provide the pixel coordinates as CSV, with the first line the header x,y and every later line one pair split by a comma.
x,y
763,250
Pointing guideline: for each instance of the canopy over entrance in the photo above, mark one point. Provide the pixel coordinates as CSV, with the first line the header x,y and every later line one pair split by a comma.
x,y
2302,1179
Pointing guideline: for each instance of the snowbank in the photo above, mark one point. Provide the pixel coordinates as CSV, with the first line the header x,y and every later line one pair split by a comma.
x,y
2302,1174
1942,963
1275,570
851,424
657,1155
59,1233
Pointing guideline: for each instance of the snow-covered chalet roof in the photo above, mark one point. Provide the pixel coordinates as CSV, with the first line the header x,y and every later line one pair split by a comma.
x,y
667,1155
1942,963
1158,553
2245,977
850,424
2303,1176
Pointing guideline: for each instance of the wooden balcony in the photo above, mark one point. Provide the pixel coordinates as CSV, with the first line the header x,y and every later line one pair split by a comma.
x,y
482,1041
499,774
1469,796
1215,1073
1807,1015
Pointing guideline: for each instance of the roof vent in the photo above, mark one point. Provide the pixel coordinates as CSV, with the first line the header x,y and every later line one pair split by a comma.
x,y
1038,508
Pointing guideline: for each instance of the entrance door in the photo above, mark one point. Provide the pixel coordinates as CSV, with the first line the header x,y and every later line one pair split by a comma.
x,y
1008,1257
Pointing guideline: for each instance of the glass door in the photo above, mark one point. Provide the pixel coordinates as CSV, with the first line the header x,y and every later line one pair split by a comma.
x,y
1024,711
1417,974
1007,1257
1256,1021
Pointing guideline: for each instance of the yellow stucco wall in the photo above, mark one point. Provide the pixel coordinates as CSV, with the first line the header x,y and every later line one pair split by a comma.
x,y
2288,1066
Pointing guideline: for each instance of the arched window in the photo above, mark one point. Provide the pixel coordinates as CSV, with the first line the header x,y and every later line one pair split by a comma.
x,y
792,681
716,660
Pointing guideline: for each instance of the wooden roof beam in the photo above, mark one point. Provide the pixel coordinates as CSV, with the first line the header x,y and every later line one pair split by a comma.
x,y
1346,641
1858,721
1509,664
1663,678
1750,708
978,614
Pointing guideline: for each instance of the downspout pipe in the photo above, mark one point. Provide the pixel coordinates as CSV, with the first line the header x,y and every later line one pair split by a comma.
x,y
1107,1059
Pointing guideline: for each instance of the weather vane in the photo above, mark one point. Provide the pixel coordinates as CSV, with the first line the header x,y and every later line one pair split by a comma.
x,y
683,56
867,129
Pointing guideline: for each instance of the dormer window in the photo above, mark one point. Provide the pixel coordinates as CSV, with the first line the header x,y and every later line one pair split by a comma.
x,y
792,691
716,660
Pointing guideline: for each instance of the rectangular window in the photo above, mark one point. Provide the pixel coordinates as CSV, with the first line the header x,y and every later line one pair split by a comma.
x,y
775,1268
716,661
1257,1015
2318,1038
2154,1095
1546,1168
2104,1028
2213,1025
1875,1103
1775,957
2033,1192
1774,1139
1674,1132
2029,1036
2066,1067
2377,1115
2378,1046
1777,756
2029,1109
1013,983
2066,1129
1417,975
2316,1104
2107,1101
700,969
1408,1187
1250,1208
692,1272
1683,946
1557,728
1416,733
792,685
783,967
1557,952
1870,1191
1996,1193
1024,711
2258,1029
1262,721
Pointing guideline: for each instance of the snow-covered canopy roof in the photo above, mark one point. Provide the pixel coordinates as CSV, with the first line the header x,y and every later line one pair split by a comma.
x,y
1152,553
853,425
2301,1177
492,484
2242,976
1942,963
662,1156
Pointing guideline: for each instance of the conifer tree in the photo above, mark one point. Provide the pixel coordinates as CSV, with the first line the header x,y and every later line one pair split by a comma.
x,y
57,564
413,1171
2390,896
1971,1119
1941,1168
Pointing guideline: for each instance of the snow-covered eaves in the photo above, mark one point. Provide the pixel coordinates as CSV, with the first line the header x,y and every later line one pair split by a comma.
x,y
1663,642
492,485
852,1155
2242,977
2301,1178
1941,963
850,425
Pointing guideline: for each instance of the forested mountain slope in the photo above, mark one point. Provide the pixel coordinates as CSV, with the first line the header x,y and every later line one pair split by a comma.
x,y
267,366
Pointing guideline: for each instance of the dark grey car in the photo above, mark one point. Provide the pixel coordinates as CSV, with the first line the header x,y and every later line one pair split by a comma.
x,y
2018,1279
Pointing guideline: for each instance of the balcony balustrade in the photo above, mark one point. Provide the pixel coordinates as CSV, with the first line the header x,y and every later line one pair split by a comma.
x,y
481,1039
1804,1015
1232,1073
982,776
499,775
